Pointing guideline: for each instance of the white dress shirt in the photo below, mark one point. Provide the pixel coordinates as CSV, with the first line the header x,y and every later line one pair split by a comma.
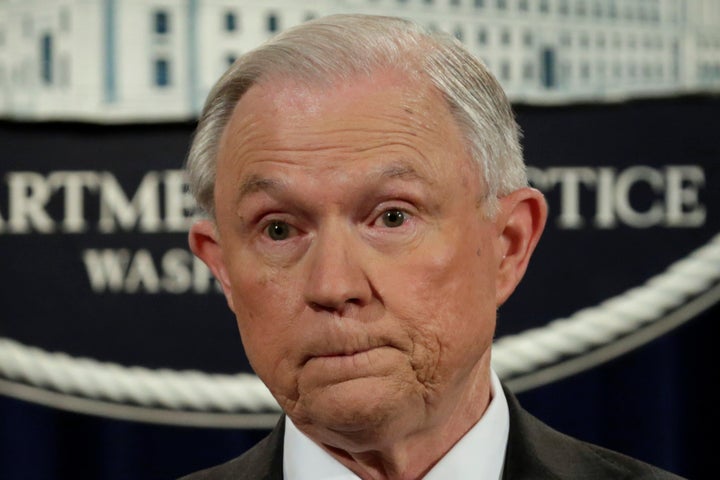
x,y
479,454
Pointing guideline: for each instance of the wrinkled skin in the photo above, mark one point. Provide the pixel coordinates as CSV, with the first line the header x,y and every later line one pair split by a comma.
x,y
353,247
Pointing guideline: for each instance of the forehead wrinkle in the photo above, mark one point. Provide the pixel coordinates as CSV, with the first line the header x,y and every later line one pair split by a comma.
x,y
397,170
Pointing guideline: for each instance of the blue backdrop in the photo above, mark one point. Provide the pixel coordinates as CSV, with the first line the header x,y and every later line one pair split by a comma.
x,y
653,403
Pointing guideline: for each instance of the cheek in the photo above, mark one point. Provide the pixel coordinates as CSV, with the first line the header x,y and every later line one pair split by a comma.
x,y
454,276
445,300
264,311
258,291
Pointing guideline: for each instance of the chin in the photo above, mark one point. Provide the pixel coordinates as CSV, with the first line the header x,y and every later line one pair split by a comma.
x,y
356,410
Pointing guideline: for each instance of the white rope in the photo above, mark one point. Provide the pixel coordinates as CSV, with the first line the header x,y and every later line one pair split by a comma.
x,y
512,355
171,389
594,327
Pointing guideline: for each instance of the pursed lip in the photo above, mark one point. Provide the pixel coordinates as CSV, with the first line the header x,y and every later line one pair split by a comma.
x,y
339,353
344,353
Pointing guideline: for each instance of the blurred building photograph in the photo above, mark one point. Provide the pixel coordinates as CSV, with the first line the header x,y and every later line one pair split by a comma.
x,y
130,60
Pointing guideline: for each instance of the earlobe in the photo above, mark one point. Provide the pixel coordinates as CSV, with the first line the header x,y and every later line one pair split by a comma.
x,y
521,221
205,244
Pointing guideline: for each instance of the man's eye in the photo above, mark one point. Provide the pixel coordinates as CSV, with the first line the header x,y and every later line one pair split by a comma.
x,y
393,218
278,230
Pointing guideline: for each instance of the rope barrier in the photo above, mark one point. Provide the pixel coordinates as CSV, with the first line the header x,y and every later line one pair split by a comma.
x,y
513,355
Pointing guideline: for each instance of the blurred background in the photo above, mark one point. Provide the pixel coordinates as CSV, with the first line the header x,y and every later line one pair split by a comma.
x,y
118,356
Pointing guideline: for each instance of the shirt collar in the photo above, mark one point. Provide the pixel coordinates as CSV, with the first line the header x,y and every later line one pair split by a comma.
x,y
480,453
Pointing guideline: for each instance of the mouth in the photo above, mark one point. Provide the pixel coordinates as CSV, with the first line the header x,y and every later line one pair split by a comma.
x,y
344,353
341,354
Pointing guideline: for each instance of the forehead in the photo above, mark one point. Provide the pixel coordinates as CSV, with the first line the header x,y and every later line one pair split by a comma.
x,y
383,117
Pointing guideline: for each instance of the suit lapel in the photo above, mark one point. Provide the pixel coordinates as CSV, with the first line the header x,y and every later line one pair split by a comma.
x,y
523,456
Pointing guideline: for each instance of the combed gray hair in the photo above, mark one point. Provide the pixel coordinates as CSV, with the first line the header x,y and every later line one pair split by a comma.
x,y
342,47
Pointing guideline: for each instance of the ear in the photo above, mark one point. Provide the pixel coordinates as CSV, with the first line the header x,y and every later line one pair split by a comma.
x,y
205,244
520,222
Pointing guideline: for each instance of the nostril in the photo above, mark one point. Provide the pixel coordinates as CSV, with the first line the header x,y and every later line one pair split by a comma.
x,y
319,307
316,306
334,308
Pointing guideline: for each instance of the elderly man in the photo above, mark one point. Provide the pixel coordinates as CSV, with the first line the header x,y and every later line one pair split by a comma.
x,y
368,214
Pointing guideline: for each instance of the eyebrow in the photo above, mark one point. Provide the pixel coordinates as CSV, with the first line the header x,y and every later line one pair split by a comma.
x,y
402,171
256,183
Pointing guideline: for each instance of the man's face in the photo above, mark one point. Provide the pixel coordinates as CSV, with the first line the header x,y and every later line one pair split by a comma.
x,y
356,255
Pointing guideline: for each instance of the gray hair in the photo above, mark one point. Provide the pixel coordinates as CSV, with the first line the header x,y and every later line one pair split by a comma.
x,y
342,47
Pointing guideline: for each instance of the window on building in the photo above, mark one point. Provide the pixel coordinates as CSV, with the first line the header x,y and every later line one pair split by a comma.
x,y
273,25
230,59
501,4
479,3
563,7
482,37
46,53
162,22
566,40
231,23
162,72
2,37
596,9
455,3
629,12
528,71
655,14
581,8
600,40
547,68
566,72
612,10
649,70
428,2
701,71
310,16
505,37
528,39
660,71
458,32
600,69
505,72
585,71
544,6
523,5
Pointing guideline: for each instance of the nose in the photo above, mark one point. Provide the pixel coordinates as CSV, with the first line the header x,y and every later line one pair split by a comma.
x,y
336,279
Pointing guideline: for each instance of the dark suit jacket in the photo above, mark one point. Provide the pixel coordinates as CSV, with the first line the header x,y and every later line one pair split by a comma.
x,y
534,452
